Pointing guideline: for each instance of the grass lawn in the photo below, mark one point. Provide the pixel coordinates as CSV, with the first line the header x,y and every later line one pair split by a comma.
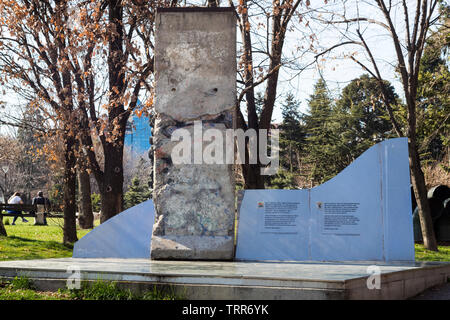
x,y
23,289
424,255
26,241
16,290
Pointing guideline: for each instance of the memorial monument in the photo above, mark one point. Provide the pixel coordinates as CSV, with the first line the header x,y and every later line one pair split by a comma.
x,y
362,214
195,73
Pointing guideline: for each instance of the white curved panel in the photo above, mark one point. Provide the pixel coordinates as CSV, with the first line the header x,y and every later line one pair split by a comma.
x,y
127,235
363,213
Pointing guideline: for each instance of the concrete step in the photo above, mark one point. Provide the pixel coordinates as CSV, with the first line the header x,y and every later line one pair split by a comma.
x,y
239,280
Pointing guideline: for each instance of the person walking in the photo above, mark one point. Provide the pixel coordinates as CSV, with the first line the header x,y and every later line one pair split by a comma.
x,y
16,199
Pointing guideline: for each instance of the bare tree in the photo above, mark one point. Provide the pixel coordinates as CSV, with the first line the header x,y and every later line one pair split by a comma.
x,y
417,21
33,62
126,27
277,16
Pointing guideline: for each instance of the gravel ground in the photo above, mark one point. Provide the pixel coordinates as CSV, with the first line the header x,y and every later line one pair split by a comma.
x,y
441,292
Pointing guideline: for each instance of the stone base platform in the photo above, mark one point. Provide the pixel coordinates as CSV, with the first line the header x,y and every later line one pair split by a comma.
x,y
213,280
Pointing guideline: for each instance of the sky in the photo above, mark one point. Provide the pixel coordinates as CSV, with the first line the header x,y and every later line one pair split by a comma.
x,y
336,70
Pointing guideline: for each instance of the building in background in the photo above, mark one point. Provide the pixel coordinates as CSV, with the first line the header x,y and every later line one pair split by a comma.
x,y
137,135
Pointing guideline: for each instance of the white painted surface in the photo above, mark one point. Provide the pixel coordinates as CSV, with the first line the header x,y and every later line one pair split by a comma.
x,y
364,213
127,235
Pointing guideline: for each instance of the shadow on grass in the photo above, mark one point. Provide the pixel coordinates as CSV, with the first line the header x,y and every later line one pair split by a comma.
x,y
19,248
423,254
48,243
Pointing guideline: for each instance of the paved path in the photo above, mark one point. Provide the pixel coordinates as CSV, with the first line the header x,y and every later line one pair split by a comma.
x,y
441,292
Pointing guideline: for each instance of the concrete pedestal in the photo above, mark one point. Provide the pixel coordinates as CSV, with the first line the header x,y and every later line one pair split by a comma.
x,y
227,280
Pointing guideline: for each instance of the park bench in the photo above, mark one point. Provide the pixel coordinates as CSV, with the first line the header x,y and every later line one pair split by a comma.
x,y
29,210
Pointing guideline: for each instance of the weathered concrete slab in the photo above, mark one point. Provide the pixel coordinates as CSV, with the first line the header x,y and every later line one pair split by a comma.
x,y
195,63
240,280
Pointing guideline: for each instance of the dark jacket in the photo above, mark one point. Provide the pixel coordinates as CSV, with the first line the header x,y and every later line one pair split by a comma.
x,y
41,200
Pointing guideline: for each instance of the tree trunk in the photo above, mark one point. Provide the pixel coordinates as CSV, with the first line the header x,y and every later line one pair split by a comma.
x,y
270,95
420,192
85,217
112,189
212,3
112,184
251,172
299,161
290,157
70,207
252,176
2,228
